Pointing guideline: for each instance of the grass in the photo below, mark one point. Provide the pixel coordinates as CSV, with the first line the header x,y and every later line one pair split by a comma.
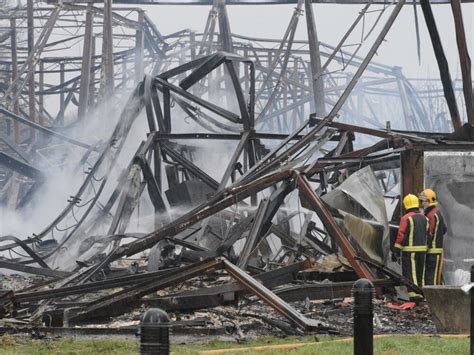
x,y
390,345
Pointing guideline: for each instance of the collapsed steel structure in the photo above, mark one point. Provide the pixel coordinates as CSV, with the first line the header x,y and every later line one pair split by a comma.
x,y
279,109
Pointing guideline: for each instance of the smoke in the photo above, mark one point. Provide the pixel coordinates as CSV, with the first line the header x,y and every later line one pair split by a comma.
x,y
64,174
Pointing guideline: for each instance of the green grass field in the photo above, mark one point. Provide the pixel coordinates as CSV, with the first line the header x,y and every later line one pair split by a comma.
x,y
390,345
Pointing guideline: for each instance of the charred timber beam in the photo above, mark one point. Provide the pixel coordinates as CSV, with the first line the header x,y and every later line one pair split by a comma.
x,y
26,248
262,222
153,189
193,169
412,171
255,232
211,107
219,202
15,147
89,287
221,136
149,104
247,123
392,274
464,59
219,295
127,299
21,167
442,63
183,68
383,133
28,66
326,291
42,129
32,270
378,41
233,160
202,70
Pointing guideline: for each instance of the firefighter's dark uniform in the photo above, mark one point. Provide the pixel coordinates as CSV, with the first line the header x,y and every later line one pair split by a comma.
x,y
411,245
434,255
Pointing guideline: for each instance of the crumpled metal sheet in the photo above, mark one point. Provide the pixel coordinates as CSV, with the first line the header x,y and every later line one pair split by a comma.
x,y
451,176
363,188
368,236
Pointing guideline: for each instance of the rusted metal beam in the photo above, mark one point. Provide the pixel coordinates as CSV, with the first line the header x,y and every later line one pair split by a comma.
x,y
333,229
464,59
270,298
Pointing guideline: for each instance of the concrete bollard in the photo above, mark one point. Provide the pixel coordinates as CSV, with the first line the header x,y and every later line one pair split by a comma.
x,y
363,292
472,311
155,333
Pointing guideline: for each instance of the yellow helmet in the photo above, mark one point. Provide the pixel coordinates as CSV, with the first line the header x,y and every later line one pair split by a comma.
x,y
429,195
411,201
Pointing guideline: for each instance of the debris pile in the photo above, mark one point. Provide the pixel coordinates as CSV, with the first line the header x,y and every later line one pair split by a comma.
x,y
213,192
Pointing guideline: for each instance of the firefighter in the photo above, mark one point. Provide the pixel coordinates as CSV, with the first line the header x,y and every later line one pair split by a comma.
x,y
410,244
436,232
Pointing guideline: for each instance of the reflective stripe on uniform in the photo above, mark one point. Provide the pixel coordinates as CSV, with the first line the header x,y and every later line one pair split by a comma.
x,y
413,269
435,251
435,233
436,273
412,227
440,270
416,248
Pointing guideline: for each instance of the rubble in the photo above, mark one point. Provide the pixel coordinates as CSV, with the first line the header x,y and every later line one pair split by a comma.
x,y
214,193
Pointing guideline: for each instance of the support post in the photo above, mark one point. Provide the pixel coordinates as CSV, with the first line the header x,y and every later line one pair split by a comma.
x,y
139,40
442,63
363,291
155,332
91,99
86,64
62,103
107,76
41,96
464,59
472,311
31,79
224,27
16,108
412,172
315,57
